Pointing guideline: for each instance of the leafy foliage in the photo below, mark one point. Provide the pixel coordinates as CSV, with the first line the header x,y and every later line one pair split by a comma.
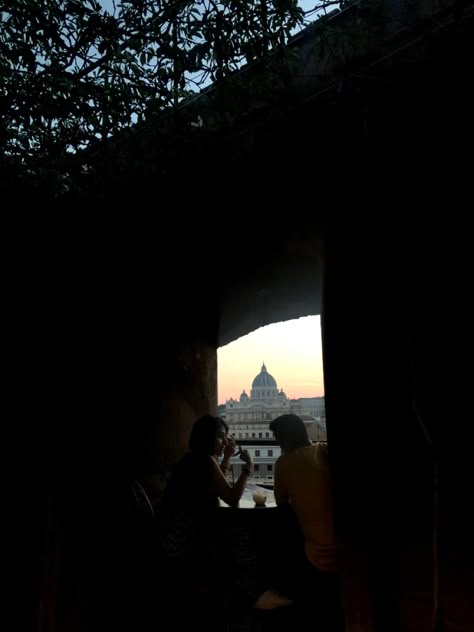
x,y
73,73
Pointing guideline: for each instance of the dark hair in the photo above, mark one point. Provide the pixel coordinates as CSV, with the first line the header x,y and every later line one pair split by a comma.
x,y
203,433
290,432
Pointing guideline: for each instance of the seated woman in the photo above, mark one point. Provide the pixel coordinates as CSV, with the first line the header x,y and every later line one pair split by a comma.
x,y
197,539
198,480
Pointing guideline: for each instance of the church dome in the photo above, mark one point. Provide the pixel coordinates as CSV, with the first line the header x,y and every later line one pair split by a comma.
x,y
264,379
244,397
264,385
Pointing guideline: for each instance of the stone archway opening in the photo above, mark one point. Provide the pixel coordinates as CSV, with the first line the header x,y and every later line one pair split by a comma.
x,y
252,392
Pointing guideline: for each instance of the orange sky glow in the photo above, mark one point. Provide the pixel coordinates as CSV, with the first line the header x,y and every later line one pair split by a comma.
x,y
291,351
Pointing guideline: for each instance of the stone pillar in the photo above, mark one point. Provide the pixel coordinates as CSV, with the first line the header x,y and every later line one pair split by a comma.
x,y
189,391
356,336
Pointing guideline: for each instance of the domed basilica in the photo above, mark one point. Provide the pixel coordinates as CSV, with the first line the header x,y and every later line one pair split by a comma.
x,y
250,415
264,404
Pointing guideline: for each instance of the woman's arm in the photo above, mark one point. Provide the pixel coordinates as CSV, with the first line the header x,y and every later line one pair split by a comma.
x,y
228,452
231,494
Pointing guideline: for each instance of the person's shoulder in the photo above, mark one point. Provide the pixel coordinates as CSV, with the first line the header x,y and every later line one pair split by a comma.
x,y
316,447
298,455
205,461
321,449
208,465
211,461
281,461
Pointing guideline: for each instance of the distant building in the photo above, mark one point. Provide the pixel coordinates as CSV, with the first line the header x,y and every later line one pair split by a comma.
x,y
316,429
312,406
249,418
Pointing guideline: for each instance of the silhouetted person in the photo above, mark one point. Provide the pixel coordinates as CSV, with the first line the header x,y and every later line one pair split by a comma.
x,y
302,483
198,547
198,480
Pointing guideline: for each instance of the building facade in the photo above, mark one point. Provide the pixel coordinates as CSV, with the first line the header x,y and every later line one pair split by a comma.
x,y
249,418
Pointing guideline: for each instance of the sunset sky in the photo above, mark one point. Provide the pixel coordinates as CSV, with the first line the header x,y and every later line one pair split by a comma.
x,y
292,354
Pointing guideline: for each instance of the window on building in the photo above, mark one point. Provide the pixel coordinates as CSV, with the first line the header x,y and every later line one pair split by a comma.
x,y
257,452
270,452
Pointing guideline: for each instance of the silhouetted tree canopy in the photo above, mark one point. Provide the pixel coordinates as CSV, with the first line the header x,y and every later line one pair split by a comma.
x,y
74,73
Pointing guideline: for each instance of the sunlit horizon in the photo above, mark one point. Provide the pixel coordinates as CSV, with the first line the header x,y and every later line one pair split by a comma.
x,y
292,354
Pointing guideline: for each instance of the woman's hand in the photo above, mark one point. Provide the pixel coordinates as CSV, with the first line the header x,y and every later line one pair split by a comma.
x,y
246,458
229,448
